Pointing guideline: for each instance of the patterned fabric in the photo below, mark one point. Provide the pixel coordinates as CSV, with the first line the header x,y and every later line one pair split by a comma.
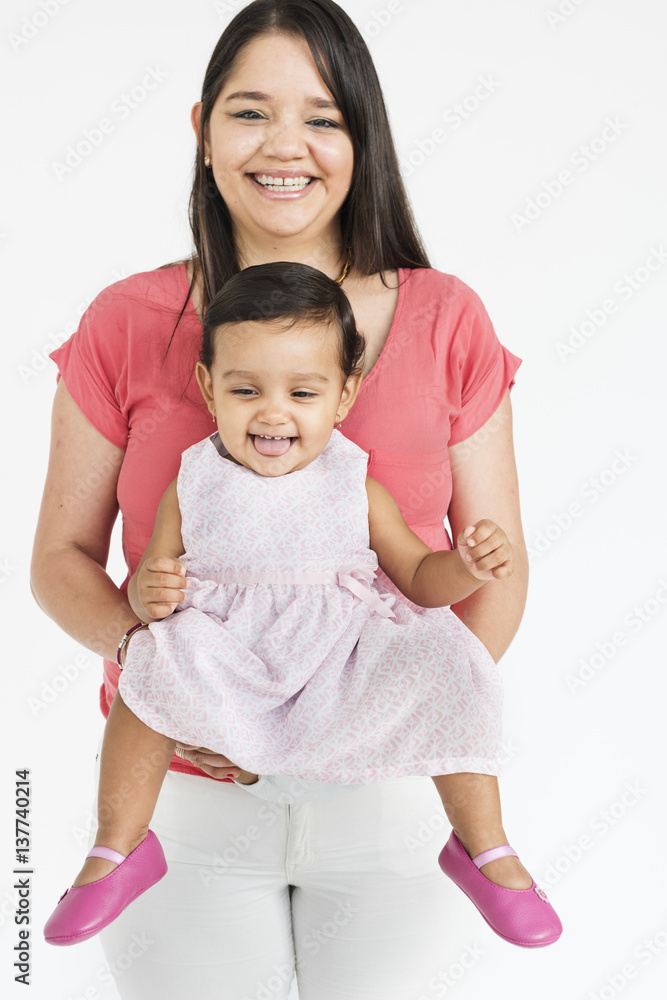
x,y
442,368
293,653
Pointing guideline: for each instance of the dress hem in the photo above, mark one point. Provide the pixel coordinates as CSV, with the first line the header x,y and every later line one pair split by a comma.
x,y
372,775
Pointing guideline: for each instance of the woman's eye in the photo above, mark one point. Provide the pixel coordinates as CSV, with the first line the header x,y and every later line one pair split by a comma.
x,y
253,116
302,392
323,122
234,391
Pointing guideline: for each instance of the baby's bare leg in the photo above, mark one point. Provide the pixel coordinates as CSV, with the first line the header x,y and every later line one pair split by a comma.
x,y
133,764
472,804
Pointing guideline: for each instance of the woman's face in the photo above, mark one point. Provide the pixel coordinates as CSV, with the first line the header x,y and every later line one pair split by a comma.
x,y
270,380
280,152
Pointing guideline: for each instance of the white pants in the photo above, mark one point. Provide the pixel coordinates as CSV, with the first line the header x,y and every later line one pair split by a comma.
x,y
342,892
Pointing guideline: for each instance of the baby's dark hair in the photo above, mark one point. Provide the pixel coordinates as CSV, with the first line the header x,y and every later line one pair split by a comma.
x,y
285,290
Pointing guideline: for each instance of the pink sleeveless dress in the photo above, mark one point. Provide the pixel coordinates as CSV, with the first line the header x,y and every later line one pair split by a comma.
x,y
293,653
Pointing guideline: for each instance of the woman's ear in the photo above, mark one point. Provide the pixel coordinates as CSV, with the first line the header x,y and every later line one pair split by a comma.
x,y
205,383
195,117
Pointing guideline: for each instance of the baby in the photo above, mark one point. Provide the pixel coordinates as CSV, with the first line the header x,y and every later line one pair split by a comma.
x,y
264,634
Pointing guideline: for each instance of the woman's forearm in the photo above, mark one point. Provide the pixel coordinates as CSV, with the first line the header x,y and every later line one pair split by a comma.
x,y
494,612
77,593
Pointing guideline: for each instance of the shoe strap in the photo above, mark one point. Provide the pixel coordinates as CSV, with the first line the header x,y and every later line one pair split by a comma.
x,y
495,852
107,854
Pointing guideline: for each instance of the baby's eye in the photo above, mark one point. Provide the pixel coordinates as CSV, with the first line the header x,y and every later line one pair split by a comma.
x,y
298,392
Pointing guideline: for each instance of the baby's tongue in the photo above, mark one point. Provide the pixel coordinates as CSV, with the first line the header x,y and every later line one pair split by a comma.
x,y
270,446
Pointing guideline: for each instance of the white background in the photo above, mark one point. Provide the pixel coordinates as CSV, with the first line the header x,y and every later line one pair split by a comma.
x,y
553,81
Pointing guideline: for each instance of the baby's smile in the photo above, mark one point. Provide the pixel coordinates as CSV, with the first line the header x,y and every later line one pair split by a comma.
x,y
271,447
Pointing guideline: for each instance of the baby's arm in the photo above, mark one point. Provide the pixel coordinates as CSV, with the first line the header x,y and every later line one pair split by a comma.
x,y
158,584
427,578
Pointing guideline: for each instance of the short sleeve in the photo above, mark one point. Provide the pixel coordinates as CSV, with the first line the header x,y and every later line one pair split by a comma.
x,y
93,364
487,369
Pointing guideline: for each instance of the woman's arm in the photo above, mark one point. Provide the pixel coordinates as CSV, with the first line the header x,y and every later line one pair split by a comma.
x,y
72,540
485,484
71,547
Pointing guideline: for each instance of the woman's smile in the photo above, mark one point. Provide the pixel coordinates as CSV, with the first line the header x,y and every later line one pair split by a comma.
x,y
282,184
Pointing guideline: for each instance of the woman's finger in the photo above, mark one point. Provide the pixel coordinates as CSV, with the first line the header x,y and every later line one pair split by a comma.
x,y
214,764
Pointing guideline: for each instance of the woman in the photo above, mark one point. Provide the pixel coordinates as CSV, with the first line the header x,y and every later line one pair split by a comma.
x,y
294,162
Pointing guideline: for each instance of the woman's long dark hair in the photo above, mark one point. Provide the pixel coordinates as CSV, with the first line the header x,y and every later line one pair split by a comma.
x,y
285,290
376,218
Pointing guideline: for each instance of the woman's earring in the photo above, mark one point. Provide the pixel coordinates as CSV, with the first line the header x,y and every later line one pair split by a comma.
x,y
214,418
207,161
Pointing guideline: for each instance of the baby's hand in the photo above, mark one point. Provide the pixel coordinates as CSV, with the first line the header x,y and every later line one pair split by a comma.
x,y
161,583
485,551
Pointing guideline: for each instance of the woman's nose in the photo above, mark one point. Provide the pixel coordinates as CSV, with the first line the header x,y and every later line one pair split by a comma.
x,y
285,140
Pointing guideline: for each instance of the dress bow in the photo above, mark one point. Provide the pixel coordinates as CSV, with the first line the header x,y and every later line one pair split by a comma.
x,y
358,579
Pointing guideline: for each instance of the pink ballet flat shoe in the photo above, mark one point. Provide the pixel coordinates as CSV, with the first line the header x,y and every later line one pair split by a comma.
x,y
520,916
83,911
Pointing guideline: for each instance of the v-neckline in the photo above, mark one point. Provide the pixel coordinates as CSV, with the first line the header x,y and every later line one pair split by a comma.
x,y
403,275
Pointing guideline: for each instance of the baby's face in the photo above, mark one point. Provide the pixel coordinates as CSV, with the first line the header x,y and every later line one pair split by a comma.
x,y
280,383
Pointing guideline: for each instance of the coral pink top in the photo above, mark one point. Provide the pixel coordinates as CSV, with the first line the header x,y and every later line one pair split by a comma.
x,y
440,376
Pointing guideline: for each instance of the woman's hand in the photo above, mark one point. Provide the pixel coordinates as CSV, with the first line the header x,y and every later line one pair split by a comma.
x,y
216,765
161,584
486,551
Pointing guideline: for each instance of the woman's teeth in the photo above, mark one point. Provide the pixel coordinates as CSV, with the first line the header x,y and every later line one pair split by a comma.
x,y
280,183
284,438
